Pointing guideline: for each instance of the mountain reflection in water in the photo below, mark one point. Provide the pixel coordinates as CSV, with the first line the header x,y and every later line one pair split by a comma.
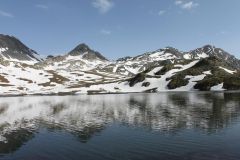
x,y
84,116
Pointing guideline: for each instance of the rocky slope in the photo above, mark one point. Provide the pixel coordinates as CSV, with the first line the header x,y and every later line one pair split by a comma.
x,y
80,58
14,50
86,53
84,70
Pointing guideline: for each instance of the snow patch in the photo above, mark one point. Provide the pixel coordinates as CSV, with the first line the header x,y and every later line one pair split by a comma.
x,y
187,56
218,87
227,70
207,72
3,50
202,55
153,71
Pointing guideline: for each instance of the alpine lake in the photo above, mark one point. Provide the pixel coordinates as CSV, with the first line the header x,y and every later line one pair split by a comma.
x,y
144,126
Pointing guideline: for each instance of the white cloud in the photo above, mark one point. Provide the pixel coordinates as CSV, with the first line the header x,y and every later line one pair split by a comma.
x,y
161,12
178,2
103,5
6,14
42,6
187,5
105,32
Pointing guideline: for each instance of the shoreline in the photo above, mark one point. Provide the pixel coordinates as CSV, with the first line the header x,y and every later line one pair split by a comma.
x,y
111,93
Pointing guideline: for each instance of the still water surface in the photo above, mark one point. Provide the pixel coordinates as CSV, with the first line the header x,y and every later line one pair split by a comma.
x,y
172,126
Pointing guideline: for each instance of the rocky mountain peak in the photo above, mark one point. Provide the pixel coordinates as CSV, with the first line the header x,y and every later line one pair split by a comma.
x,y
81,48
212,51
86,52
208,48
172,50
12,48
84,70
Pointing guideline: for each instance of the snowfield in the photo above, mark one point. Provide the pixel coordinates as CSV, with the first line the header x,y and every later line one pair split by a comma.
x,y
85,71
19,80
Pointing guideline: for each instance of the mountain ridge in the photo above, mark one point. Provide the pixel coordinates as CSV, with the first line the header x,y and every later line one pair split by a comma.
x,y
12,48
83,70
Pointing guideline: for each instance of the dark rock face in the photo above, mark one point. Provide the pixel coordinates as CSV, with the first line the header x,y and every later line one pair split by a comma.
x,y
138,78
173,51
145,84
175,83
15,49
212,64
232,83
165,69
50,56
207,83
124,58
86,53
152,90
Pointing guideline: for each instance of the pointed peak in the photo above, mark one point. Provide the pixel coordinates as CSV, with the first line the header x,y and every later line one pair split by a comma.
x,y
208,46
86,52
81,48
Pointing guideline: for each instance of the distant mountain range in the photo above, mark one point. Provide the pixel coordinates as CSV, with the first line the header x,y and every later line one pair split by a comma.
x,y
84,70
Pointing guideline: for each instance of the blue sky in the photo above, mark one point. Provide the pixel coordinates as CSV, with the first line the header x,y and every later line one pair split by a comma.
x,y
118,28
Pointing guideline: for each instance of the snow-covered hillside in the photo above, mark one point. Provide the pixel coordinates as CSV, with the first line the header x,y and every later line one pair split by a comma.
x,y
84,70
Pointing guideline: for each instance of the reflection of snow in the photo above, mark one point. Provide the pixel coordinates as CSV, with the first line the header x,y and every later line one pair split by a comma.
x,y
163,111
217,87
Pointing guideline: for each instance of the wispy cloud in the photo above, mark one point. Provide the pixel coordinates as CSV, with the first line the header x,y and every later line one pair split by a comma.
x,y
222,33
6,14
187,5
161,12
178,2
190,5
42,6
103,5
105,32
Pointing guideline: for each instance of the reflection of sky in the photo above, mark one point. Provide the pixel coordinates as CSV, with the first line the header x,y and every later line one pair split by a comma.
x,y
159,112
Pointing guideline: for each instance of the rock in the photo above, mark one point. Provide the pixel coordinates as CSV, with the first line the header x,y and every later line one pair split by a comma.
x,y
232,83
50,56
152,90
86,52
138,78
145,84
12,48
175,83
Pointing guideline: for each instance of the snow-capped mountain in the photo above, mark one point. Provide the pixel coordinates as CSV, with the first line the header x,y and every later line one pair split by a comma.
x,y
13,49
80,58
132,65
209,51
86,53
84,70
